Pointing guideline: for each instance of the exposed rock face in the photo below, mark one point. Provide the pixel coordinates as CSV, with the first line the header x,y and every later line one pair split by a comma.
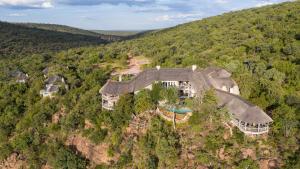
x,y
88,124
202,167
46,166
272,164
222,154
190,156
14,161
268,164
138,124
248,152
58,115
95,153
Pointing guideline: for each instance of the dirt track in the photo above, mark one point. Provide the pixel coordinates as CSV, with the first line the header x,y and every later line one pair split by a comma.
x,y
134,65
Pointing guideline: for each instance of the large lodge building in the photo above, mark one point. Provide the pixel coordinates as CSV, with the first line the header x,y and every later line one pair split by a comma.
x,y
192,82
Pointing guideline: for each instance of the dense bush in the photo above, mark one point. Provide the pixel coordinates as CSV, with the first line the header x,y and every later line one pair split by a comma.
x,y
260,47
19,40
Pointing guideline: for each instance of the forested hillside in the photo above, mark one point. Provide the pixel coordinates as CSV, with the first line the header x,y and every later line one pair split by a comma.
x,y
249,43
59,28
109,36
117,33
260,46
20,40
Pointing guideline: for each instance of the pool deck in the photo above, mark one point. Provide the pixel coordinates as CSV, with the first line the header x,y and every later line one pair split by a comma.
x,y
180,110
179,118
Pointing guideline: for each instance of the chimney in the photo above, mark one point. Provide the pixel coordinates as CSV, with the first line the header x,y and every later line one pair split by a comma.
x,y
120,77
194,67
157,67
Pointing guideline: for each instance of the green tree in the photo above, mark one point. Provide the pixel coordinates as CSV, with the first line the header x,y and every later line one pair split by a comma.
x,y
155,92
143,101
285,122
5,150
66,159
170,95
167,145
124,109
247,163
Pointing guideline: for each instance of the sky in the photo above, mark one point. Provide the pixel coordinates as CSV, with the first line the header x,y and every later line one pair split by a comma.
x,y
120,14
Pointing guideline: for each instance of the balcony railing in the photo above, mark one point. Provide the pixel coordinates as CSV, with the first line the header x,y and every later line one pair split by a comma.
x,y
107,106
250,129
110,97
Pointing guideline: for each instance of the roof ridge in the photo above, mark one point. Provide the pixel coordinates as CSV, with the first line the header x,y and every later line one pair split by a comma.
x,y
236,96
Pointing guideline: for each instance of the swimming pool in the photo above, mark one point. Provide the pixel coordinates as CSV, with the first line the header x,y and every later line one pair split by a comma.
x,y
180,110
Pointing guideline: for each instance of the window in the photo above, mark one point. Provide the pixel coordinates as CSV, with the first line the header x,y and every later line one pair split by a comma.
x,y
104,101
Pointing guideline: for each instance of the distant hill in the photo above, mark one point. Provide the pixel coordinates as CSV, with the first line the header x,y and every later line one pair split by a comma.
x,y
22,39
60,28
110,36
118,32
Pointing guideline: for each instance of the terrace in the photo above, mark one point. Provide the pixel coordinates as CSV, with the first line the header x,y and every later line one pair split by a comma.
x,y
251,128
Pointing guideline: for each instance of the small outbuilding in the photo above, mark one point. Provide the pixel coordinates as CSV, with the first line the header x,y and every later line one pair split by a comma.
x,y
19,76
53,84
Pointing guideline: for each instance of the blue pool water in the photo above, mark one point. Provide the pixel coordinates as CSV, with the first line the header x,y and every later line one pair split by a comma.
x,y
180,111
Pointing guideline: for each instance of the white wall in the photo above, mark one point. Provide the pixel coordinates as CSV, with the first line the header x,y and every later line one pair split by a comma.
x,y
235,90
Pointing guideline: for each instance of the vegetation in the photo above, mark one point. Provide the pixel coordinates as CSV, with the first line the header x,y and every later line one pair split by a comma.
x,y
20,40
117,33
65,158
261,47
159,147
60,28
143,101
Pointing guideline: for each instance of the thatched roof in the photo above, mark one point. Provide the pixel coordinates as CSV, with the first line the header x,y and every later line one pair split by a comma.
x,y
54,79
211,77
19,75
219,77
53,89
242,109
149,76
50,89
117,88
